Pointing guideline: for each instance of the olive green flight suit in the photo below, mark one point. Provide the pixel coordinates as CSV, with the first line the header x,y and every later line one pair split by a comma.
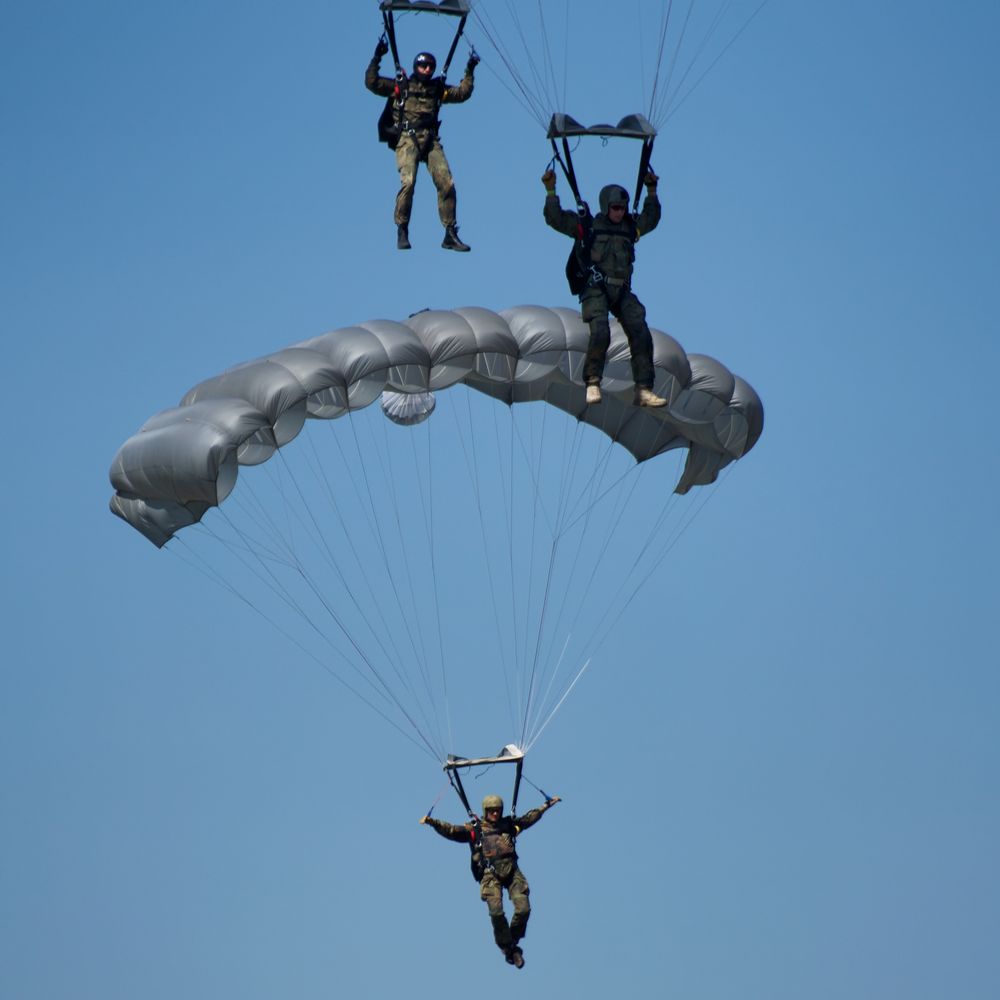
x,y
612,252
499,857
418,141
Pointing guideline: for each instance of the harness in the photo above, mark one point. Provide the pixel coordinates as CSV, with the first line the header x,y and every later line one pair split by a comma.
x,y
581,272
393,123
479,863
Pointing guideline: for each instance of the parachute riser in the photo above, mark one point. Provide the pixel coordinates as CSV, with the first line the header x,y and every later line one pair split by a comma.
x,y
456,783
569,173
517,786
390,34
454,45
644,168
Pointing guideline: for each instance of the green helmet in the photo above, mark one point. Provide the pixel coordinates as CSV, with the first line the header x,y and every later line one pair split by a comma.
x,y
612,194
492,802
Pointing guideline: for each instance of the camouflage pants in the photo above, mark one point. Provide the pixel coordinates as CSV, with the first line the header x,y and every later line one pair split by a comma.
x,y
619,300
410,153
491,892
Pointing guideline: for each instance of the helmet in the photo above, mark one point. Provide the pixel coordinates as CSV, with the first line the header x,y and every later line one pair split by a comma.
x,y
492,802
612,194
425,59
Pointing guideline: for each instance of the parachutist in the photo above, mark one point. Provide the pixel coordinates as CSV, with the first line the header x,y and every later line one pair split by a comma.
x,y
494,866
410,124
603,258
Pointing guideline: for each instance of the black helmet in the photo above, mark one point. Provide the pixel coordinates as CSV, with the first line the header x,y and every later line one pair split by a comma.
x,y
425,59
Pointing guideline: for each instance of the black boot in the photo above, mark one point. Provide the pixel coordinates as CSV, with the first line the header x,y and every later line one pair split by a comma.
x,y
451,240
403,236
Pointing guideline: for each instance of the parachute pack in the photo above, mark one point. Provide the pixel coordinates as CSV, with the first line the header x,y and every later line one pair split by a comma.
x,y
390,122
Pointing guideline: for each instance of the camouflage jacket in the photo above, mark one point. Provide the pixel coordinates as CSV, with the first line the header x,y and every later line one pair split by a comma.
x,y
613,248
496,841
422,99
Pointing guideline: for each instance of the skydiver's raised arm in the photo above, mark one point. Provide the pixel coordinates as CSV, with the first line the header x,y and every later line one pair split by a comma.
x,y
649,217
455,95
381,85
531,817
450,831
556,216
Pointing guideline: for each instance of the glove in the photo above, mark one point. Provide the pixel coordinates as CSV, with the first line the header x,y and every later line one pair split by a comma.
x,y
473,62
552,801
381,48
650,180
549,180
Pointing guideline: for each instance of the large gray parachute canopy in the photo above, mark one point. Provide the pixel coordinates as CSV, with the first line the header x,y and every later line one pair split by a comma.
x,y
186,459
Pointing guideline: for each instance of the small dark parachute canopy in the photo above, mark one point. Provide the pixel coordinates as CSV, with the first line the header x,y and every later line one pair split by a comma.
x,y
451,8
633,126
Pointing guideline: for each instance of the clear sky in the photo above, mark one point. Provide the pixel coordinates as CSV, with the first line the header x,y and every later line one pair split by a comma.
x,y
780,780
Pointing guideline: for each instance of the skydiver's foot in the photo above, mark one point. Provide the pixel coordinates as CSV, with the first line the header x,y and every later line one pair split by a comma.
x,y
517,959
403,237
452,241
593,394
509,956
646,397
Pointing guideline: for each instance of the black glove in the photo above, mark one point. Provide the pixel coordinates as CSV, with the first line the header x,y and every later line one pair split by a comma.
x,y
650,180
381,48
473,62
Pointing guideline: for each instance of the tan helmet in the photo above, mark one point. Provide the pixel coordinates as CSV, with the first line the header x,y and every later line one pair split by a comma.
x,y
492,802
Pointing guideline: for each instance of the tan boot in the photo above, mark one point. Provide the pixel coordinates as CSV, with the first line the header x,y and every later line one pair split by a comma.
x,y
646,397
593,394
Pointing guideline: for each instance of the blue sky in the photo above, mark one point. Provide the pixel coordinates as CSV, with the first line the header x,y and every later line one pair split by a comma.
x,y
781,780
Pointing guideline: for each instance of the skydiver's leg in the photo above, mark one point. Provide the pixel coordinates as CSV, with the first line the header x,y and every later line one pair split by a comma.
x,y
437,164
632,315
492,894
594,310
407,157
519,892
